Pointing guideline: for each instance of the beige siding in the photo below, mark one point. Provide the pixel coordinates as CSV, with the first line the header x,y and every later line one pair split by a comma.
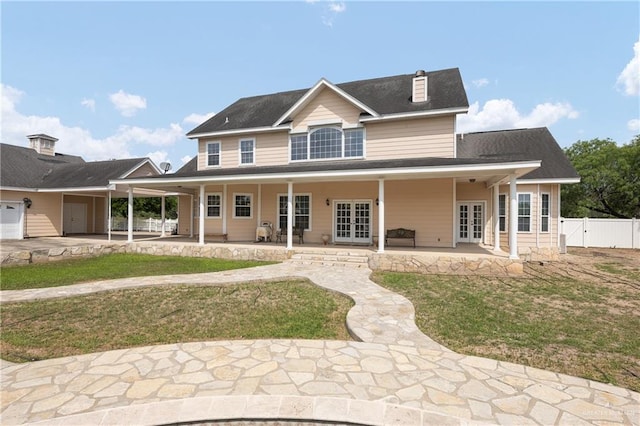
x,y
101,218
426,137
185,217
44,218
143,171
326,106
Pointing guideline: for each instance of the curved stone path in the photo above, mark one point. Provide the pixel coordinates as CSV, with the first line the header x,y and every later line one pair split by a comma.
x,y
395,375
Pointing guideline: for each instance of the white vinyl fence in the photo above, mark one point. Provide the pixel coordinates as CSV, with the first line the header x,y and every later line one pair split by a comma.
x,y
144,225
614,233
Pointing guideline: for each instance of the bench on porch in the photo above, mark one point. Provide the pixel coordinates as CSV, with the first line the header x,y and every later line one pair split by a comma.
x,y
223,236
409,234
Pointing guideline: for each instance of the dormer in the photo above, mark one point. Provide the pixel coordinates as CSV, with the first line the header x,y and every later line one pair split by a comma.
x,y
419,87
43,144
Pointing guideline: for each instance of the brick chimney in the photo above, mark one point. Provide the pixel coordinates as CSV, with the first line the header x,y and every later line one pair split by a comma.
x,y
419,87
43,144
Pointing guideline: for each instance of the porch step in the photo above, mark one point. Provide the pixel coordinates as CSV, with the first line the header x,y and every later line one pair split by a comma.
x,y
354,261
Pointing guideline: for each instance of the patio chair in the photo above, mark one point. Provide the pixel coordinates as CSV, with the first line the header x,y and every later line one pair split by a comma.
x,y
297,232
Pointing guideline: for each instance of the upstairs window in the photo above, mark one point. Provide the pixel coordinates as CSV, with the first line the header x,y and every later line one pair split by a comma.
x,y
247,151
213,154
327,142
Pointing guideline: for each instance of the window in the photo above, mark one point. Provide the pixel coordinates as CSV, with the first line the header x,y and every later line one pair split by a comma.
x,y
242,205
327,142
502,212
247,151
214,202
301,209
524,212
544,212
213,154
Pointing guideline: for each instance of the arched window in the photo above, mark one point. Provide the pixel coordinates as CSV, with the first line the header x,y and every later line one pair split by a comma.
x,y
325,142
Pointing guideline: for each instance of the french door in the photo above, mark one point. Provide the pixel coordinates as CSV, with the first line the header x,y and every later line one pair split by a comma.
x,y
352,222
470,220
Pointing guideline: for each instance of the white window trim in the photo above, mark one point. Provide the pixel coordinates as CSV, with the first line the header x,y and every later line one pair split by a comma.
x,y
518,194
284,194
253,141
206,155
506,212
206,206
548,215
342,157
250,195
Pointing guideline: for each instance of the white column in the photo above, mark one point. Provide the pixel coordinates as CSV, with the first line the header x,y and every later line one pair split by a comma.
x,y
130,216
381,216
224,208
559,210
455,219
259,206
191,214
201,217
513,218
162,214
290,216
496,217
109,217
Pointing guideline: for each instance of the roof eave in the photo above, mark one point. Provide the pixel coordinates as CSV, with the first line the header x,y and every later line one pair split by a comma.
x,y
238,131
417,114
549,180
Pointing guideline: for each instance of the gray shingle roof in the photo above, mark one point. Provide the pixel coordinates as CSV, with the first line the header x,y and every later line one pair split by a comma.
x,y
24,168
520,144
386,95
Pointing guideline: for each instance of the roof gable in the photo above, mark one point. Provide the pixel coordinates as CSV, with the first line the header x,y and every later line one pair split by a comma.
x,y
315,91
519,145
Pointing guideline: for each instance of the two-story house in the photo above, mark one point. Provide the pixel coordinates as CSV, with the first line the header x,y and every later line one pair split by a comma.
x,y
352,160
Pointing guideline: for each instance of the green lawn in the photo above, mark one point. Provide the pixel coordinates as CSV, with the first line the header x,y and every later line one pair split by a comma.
x,y
558,323
54,274
157,315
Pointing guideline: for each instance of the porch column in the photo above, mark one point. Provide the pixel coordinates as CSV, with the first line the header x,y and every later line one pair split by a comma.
x,y
496,217
259,206
130,216
513,219
381,216
201,217
109,217
289,215
191,215
224,208
162,214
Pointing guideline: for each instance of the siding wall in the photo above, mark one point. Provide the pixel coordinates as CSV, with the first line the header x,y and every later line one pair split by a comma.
x,y
143,171
426,137
44,218
327,105
185,218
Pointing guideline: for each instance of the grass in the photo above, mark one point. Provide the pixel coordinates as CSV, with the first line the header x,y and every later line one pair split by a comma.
x,y
157,315
560,324
65,272
618,268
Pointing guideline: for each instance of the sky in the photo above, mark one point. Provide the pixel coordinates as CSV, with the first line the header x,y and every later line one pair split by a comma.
x,y
130,79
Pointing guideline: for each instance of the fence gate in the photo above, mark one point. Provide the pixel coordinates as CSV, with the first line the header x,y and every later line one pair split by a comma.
x,y
586,232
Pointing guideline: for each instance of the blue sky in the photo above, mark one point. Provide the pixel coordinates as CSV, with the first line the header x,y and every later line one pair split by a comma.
x,y
129,79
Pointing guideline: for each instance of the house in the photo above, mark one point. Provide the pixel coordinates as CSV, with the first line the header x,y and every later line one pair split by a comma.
x,y
351,161
44,193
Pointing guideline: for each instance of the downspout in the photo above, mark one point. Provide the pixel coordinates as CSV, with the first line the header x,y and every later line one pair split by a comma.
x,y
289,215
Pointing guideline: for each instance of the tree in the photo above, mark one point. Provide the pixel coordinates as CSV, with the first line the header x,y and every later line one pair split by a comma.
x,y
146,207
609,180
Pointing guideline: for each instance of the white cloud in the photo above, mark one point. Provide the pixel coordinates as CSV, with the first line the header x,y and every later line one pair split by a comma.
x,y
634,125
481,82
502,114
197,119
158,157
89,104
337,7
126,103
76,140
629,79
186,159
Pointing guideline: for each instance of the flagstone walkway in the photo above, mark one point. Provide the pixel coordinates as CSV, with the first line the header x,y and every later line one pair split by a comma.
x,y
394,376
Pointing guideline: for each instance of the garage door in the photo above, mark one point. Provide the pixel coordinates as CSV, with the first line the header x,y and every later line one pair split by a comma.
x,y
10,220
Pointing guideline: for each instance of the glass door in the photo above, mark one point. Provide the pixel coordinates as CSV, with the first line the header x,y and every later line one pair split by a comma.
x,y
352,221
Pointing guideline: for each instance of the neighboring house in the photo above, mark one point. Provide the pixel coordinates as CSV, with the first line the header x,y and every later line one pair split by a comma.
x,y
44,193
353,160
